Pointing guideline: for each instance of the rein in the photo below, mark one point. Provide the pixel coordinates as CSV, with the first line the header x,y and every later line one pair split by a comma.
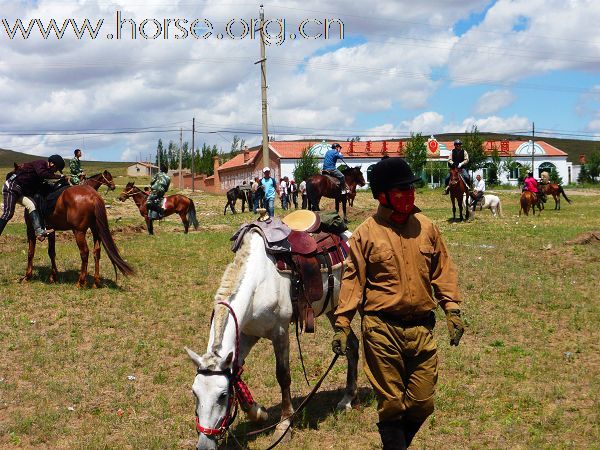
x,y
301,407
239,394
133,191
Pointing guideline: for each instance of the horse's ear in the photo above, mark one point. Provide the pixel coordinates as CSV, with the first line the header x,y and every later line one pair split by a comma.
x,y
228,361
194,357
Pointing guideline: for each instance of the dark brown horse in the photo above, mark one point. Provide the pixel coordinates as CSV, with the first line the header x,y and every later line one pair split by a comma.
x,y
104,178
459,193
555,190
177,203
233,194
79,208
319,186
529,200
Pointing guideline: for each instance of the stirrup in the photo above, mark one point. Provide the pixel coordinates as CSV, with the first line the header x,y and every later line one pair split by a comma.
x,y
42,236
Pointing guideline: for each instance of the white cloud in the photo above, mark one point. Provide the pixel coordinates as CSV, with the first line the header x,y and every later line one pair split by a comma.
x,y
493,101
427,123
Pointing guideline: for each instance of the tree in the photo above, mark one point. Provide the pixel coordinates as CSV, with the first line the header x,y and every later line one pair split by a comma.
x,y
584,175
473,144
555,177
159,152
306,166
416,153
494,167
593,166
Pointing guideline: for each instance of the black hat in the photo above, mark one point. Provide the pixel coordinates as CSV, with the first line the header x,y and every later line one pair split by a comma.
x,y
458,142
336,145
58,162
391,173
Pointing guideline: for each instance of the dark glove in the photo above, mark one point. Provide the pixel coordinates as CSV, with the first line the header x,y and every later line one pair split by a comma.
x,y
456,327
340,340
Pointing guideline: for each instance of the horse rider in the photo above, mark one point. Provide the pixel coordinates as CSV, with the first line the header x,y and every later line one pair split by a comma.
x,y
158,187
329,167
530,184
77,173
478,191
458,158
397,272
22,183
269,187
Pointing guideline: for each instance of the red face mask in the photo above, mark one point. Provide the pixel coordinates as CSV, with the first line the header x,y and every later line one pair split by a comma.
x,y
401,201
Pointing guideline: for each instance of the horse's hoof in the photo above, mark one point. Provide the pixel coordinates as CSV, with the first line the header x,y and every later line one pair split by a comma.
x,y
25,279
257,414
344,406
51,280
80,285
283,429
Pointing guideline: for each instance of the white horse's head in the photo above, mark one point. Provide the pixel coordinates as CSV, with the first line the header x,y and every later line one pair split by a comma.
x,y
213,393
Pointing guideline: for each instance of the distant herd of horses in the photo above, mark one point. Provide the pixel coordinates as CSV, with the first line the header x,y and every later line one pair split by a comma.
x,y
80,208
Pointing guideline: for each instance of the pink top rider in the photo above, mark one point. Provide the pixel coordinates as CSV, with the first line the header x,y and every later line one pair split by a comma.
x,y
531,184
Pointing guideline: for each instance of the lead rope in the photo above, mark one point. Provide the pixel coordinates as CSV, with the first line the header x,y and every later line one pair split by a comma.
x,y
300,407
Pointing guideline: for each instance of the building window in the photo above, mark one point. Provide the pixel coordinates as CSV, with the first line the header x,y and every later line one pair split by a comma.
x,y
513,173
546,167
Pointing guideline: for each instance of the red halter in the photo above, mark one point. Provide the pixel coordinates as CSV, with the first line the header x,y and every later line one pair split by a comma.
x,y
238,391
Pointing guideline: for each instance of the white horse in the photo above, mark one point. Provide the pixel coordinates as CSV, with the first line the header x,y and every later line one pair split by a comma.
x,y
492,202
259,296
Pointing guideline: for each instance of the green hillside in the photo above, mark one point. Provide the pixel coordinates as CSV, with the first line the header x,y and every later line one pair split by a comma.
x,y
8,157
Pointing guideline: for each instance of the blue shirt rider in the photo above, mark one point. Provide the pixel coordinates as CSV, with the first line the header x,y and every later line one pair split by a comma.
x,y
331,157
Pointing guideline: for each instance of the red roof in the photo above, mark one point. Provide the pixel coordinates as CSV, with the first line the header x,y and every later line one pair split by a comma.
x,y
238,161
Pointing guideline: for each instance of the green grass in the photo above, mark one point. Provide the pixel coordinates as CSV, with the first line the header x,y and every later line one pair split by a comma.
x,y
524,376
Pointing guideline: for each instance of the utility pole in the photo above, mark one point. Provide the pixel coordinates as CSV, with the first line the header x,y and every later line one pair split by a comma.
x,y
193,145
180,147
263,87
533,148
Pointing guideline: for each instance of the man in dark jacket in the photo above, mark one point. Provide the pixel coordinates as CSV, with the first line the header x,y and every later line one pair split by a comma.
x,y
22,183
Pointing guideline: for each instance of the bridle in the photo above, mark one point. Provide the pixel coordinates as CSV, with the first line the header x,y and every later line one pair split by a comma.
x,y
238,392
133,191
105,181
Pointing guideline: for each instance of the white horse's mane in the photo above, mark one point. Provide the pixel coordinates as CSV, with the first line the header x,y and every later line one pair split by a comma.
x,y
230,284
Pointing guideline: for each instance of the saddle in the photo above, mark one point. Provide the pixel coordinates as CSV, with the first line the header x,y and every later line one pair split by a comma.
x,y
310,255
45,199
332,177
305,256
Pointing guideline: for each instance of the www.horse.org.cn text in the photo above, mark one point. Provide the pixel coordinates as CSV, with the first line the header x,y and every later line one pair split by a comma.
x,y
276,31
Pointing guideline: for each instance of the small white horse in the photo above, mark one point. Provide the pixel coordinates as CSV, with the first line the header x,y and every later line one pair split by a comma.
x,y
492,202
259,295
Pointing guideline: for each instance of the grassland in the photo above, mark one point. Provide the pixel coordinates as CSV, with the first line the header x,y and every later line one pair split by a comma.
x,y
525,375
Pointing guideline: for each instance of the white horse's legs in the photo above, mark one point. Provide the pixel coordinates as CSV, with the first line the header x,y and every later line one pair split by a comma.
x,y
281,346
345,403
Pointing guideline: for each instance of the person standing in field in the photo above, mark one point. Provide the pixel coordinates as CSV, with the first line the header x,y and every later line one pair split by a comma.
x,y
302,189
397,273
269,187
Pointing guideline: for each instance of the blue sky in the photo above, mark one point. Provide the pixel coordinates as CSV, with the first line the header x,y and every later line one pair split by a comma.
x,y
430,67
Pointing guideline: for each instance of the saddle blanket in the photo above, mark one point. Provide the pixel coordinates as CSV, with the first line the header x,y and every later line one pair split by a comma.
x,y
163,204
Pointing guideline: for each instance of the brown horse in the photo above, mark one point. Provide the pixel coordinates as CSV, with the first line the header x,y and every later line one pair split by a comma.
x,y
459,193
530,200
180,204
555,190
319,186
79,208
104,178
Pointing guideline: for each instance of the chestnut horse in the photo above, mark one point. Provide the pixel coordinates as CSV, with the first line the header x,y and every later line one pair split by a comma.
x,y
459,193
177,203
530,200
319,186
104,178
555,190
79,208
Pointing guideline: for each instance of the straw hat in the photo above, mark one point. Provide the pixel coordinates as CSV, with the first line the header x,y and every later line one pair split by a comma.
x,y
303,220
